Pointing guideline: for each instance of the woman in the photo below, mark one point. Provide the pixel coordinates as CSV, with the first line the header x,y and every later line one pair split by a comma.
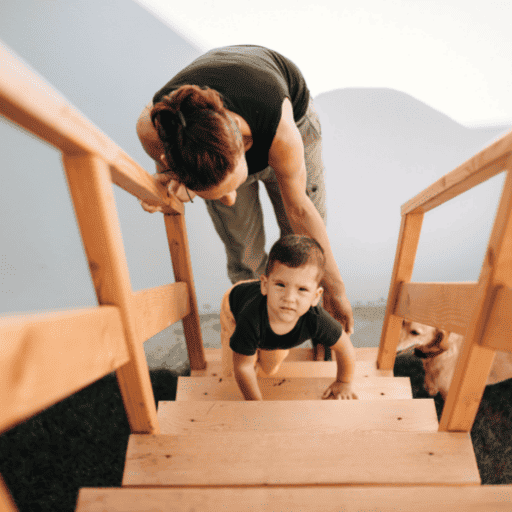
x,y
235,116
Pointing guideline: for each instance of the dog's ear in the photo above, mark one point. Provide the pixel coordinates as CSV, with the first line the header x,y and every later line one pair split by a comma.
x,y
441,340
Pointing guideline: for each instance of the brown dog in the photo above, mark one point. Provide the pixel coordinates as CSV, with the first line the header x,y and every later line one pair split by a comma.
x,y
439,351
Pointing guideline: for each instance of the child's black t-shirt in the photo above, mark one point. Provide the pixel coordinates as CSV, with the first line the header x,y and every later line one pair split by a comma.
x,y
253,331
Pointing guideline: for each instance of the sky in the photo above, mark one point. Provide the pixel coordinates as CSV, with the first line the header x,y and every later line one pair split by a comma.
x,y
453,55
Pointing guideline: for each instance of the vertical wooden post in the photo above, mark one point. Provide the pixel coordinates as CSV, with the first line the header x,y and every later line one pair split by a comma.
x,y
182,266
475,362
407,246
91,189
6,502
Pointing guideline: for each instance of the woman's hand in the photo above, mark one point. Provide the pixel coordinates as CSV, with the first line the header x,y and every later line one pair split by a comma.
x,y
339,391
338,306
174,188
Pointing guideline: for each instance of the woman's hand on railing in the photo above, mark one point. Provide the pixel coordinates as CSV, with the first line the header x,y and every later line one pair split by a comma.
x,y
174,188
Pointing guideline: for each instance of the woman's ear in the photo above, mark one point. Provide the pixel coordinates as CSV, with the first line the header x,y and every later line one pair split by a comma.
x,y
163,160
264,284
318,296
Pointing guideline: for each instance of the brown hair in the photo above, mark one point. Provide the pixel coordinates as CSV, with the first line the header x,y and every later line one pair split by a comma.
x,y
201,142
295,251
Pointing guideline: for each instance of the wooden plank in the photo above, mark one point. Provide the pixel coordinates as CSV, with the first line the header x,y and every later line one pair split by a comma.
x,y
47,357
158,308
303,354
303,369
213,388
447,306
403,267
257,458
497,335
30,102
475,362
483,498
182,266
93,200
481,167
297,416
6,502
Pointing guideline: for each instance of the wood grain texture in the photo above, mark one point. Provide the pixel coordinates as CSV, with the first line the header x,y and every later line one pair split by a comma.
x,y
182,266
485,498
408,239
363,368
6,502
256,458
297,416
94,204
216,388
158,308
475,361
447,306
30,102
47,357
498,333
479,168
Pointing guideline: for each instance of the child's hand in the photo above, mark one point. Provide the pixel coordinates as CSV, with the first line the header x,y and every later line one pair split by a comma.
x,y
339,391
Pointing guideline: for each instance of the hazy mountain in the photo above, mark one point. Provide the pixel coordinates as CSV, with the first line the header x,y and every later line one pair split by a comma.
x,y
382,147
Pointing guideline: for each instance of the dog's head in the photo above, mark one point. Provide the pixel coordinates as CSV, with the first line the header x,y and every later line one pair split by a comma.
x,y
428,341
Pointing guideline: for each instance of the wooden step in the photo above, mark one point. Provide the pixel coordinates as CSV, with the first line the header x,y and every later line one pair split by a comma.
x,y
303,354
303,369
297,416
484,498
217,388
299,363
307,458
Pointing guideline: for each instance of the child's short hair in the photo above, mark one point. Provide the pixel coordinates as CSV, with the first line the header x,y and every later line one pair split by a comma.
x,y
295,251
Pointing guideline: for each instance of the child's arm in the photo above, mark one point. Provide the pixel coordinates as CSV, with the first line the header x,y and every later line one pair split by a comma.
x,y
245,376
341,388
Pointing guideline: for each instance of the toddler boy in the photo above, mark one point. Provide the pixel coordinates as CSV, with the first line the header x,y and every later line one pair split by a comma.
x,y
262,320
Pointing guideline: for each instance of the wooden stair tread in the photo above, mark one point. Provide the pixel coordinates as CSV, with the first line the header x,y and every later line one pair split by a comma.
x,y
302,354
482,498
297,416
257,458
300,363
217,388
363,368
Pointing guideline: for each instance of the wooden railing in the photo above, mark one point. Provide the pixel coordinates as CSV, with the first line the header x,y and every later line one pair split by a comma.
x,y
480,311
47,357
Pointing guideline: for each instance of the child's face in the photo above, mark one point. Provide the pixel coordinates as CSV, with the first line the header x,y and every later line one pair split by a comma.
x,y
290,291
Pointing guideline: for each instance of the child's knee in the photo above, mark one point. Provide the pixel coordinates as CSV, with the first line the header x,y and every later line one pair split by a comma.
x,y
270,370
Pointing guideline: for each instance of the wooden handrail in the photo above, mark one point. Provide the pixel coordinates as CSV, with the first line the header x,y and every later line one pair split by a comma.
x,y
28,101
47,357
445,305
497,334
481,311
481,167
158,308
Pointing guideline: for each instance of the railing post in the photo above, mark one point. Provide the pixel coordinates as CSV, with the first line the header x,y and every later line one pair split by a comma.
x,y
475,361
93,198
407,246
6,502
182,266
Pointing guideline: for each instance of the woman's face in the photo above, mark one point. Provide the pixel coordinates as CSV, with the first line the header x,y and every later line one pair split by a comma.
x,y
225,191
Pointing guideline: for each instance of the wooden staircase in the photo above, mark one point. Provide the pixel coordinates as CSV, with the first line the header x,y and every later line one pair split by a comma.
x,y
294,451
209,450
